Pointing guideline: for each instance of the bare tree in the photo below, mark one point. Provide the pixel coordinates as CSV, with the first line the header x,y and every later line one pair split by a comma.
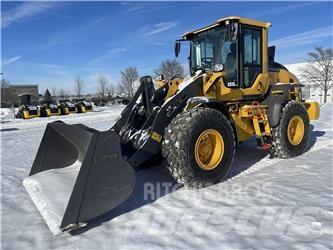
x,y
78,86
4,83
7,95
128,81
170,69
102,85
54,91
319,69
111,90
62,93
67,93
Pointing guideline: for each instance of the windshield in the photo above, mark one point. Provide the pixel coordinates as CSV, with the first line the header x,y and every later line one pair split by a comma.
x,y
212,47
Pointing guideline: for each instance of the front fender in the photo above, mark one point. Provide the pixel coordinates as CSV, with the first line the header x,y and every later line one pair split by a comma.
x,y
313,109
202,101
213,103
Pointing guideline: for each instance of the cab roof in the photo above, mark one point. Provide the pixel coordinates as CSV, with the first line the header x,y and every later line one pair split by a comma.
x,y
223,20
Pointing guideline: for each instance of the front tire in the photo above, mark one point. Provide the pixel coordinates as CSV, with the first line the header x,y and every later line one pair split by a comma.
x,y
199,146
291,136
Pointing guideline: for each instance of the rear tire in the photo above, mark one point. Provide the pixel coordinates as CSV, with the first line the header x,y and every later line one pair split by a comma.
x,y
179,147
19,115
284,146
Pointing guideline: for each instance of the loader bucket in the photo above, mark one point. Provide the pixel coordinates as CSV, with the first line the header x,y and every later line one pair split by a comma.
x,y
78,174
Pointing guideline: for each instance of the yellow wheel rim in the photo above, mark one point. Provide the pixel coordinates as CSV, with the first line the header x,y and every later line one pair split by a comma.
x,y
295,130
209,149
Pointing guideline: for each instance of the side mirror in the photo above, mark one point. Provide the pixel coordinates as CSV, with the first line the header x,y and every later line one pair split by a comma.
x,y
177,48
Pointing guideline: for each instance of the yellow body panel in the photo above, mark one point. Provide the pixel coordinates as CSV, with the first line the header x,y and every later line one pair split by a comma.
x,y
253,22
242,20
66,111
248,120
259,87
27,116
211,80
248,111
244,127
49,113
313,109
160,83
287,77
265,52
173,86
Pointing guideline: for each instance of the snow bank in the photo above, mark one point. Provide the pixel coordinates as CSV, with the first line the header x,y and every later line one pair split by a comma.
x,y
7,113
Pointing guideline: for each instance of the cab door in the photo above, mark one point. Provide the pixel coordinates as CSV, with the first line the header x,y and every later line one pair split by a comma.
x,y
252,77
251,55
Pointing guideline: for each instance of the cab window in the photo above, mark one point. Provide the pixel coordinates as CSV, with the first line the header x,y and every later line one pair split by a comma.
x,y
215,47
252,55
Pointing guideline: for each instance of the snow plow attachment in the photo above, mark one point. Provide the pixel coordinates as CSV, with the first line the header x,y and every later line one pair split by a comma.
x,y
78,174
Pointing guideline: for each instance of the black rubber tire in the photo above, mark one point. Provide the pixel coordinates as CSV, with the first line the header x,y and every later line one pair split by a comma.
x,y
80,109
281,147
43,112
19,115
179,143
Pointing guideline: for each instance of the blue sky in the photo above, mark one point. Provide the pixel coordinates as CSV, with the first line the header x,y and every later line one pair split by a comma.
x,y
50,43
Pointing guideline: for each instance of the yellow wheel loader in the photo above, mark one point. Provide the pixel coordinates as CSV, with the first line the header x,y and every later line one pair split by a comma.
x,y
83,105
67,107
236,91
49,109
27,109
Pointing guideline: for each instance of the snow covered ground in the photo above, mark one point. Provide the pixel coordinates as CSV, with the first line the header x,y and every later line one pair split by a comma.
x,y
7,113
265,203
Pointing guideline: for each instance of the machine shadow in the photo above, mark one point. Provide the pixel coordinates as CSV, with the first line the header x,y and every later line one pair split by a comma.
x,y
314,134
8,129
150,178
247,154
156,176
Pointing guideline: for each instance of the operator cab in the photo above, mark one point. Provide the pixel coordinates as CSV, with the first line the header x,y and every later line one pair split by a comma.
x,y
234,45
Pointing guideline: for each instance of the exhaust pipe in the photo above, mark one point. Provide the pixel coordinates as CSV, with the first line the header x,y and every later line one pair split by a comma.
x,y
78,174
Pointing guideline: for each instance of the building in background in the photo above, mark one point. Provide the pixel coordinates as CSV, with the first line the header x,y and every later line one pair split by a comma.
x,y
308,91
10,94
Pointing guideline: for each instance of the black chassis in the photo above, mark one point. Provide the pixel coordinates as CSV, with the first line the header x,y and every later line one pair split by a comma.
x,y
150,115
